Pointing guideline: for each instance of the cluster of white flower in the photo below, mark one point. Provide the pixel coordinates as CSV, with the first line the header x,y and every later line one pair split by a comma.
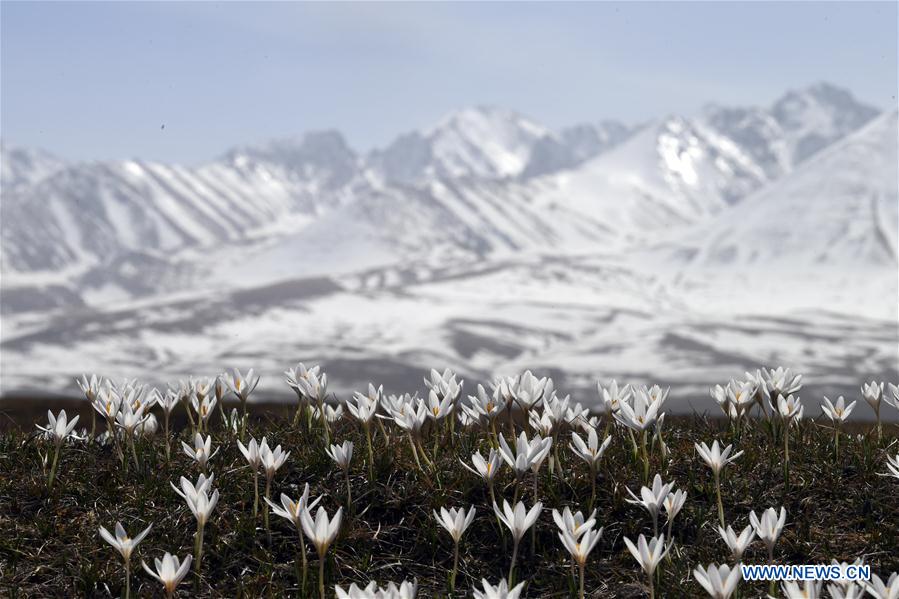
x,y
521,418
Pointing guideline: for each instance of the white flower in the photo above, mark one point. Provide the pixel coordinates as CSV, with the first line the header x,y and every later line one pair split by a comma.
x,y
90,387
500,591
201,505
170,571
107,402
838,412
737,544
769,527
653,499
580,546
519,519
845,588
308,384
715,457
780,381
873,394
484,407
409,413
59,428
322,531
272,459
189,490
251,452
121,541
292,510
406,590
720,582
893,399
673,503
486,469
575,523
241,385
811,589
612,396
527,455
341,454
129,419
789,408
530,390
201,452
877,589
364,407
642,414
648,555
893,465
203,406
168,401
332,413
591,451
444,386
455,521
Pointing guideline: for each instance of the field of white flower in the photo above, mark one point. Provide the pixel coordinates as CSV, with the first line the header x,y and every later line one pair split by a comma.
x,y
515,491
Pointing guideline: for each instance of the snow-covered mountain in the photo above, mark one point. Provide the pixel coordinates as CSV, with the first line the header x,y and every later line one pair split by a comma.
x,y
837,208
486,242
21,167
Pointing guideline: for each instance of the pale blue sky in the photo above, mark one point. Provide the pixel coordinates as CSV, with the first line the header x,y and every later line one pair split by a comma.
x,y
98,80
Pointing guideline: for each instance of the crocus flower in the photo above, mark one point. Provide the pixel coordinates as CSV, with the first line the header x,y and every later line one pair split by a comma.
x,y
648,555
129,419
405,590
591,452
410,414
781,381
251,453
322,531
242,386
673,504
580,545
576,524
652,499
500,591
873,394
719,582
58,429
893,465
880,590
810,589
364,408
737,544
189,490
484,408
125,545
527,453
203,406
518,520
717,460
846,589
343,455
271,460
298,379
170,571
201,452
612,395
456,522
769,527
292,511
838,414
201,505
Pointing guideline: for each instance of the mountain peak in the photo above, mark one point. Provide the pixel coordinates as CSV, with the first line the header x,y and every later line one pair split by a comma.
x,y
323,154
